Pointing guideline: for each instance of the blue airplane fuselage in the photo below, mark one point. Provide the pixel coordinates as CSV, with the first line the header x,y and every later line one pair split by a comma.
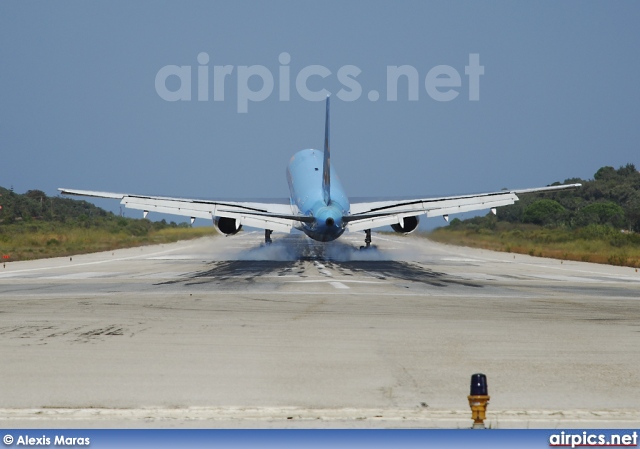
x,y
304,175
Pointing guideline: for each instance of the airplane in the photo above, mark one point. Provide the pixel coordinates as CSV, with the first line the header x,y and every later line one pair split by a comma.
x,y
318,205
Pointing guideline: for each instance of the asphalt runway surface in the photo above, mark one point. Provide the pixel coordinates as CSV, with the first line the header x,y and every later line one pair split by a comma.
x,y
228,332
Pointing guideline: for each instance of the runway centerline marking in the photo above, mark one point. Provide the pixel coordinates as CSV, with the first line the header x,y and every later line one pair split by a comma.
x,y
339,285
322,269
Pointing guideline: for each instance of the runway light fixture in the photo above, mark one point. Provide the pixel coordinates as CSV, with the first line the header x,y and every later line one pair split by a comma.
x,y
478,400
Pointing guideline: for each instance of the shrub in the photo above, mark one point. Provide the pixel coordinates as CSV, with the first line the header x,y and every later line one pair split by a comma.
x,y
601,213
544,212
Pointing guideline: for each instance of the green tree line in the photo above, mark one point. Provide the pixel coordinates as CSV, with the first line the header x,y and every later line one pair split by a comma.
x,y
34,210
611,199
598,222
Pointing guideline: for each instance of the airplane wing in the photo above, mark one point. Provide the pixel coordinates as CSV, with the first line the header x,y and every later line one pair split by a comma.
x,y
369,215
273,216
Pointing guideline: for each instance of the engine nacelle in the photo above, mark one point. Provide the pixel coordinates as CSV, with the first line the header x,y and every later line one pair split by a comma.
x,y
409,224
227,226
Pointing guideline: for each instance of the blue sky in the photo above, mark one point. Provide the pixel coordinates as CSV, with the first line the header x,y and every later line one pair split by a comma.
x,y
79,108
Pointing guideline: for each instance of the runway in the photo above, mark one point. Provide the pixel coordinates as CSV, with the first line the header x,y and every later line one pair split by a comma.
x,y
225,332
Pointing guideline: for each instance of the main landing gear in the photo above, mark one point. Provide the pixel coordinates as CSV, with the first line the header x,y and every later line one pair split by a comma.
x,y
367,239
267,236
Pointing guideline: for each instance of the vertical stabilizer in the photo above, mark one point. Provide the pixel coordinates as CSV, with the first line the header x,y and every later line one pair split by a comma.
x,y
326,169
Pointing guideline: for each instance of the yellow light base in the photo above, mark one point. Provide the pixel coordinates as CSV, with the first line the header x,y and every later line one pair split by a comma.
x,y
478,406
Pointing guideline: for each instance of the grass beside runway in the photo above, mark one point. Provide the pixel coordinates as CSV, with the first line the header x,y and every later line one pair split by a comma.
x,y
598,244
43,240
36,226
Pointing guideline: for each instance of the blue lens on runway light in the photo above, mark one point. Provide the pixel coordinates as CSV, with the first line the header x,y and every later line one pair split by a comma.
x,y
479,385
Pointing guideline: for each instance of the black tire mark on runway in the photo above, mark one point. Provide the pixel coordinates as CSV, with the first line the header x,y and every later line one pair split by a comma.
x,y
383,269
235,270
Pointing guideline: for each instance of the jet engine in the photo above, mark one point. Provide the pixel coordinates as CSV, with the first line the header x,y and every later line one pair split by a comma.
x,y
228,226
409,224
